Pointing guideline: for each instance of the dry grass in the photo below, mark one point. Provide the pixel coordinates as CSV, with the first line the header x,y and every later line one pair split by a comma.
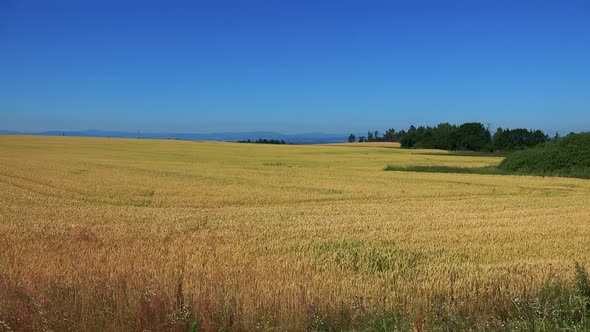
x,y
368,144
110,234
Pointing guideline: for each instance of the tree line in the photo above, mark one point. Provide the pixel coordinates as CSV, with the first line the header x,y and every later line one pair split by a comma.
x,y
264,141
472,136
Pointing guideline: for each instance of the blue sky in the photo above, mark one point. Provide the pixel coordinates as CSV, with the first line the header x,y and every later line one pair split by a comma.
x,y
293,66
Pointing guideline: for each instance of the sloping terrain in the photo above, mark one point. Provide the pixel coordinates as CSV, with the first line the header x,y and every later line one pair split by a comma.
x,y
122,234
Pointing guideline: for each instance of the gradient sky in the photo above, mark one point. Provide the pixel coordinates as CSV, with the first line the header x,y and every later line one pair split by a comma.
x,y
293,66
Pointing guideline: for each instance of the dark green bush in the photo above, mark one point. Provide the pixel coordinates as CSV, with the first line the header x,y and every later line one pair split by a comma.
x,y
568,156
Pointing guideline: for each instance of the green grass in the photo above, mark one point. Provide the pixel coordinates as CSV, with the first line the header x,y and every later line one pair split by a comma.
x,y
465,153
448,169
491,170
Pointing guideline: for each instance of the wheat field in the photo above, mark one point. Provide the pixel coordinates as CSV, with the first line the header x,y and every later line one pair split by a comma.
x,y
120,234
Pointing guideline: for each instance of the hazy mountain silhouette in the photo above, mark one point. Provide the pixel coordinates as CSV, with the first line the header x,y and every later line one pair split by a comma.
x,y
305,138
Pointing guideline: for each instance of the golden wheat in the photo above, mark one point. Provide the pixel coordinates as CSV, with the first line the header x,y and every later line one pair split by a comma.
x,y
114,234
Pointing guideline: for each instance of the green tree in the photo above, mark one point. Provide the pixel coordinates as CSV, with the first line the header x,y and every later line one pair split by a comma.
x,y
389,135
409,139
472,136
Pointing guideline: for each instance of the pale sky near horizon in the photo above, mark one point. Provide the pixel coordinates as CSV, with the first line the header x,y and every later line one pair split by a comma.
x,y
293,67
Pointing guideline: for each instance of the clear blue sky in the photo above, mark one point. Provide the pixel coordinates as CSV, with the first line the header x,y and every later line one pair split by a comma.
x,y
293,66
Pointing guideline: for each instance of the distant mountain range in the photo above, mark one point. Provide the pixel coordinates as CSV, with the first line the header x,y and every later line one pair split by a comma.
x,y
306,138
